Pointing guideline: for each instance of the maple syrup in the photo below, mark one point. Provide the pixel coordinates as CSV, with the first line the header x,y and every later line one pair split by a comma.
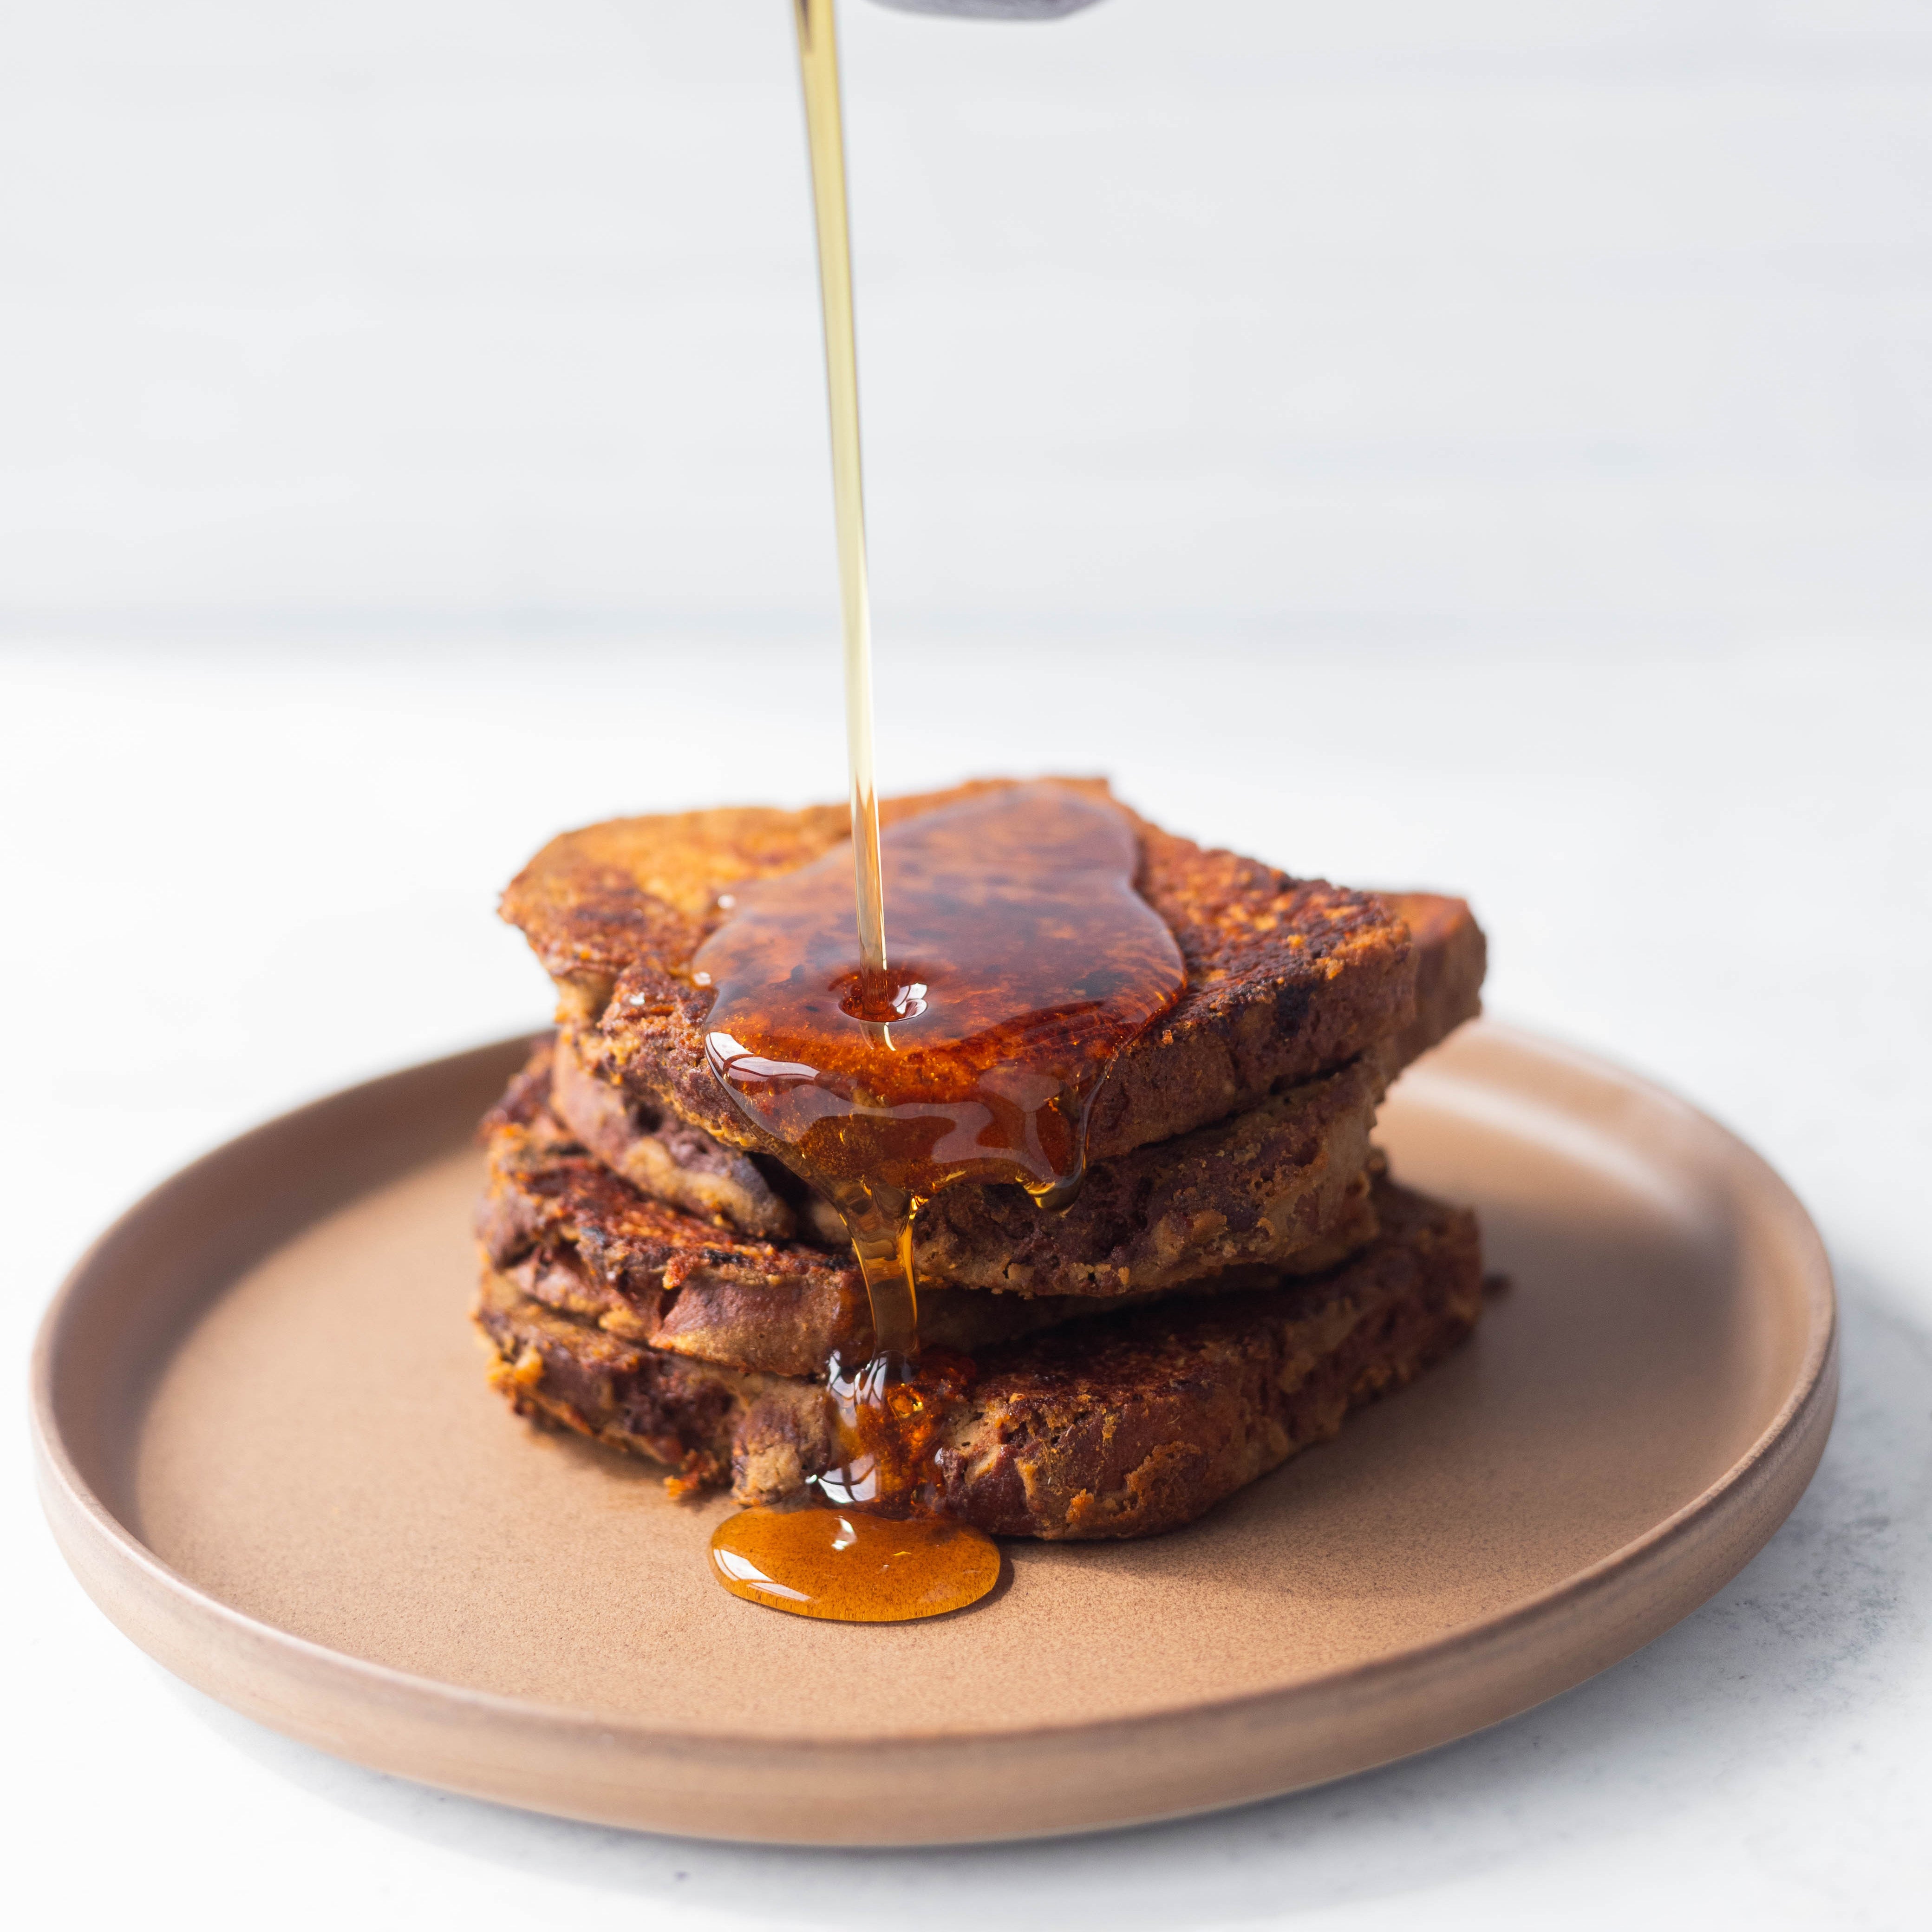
x,y
851,1566
825,136
1023,961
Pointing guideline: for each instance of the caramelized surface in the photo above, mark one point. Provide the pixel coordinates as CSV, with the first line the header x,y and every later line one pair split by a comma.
x,y
1125,1425
1287,978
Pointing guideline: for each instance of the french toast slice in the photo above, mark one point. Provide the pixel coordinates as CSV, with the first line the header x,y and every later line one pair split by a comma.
x,y
1282,1188
973,1234
1287,978
574,1237
1123,1424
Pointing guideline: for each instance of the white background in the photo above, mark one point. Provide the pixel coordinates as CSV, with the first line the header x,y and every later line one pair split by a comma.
x,y
1487,445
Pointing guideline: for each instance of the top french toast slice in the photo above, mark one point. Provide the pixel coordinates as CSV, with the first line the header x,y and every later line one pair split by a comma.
x,y
1287,978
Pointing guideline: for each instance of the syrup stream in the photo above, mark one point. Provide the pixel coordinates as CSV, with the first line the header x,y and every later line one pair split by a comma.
x,y
818,68
881,1228
1027,961
1039,973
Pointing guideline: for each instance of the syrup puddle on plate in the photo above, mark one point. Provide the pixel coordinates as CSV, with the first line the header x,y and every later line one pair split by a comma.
x,y
847,1566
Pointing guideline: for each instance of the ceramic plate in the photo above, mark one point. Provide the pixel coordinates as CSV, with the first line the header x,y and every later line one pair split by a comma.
x,y
267,1450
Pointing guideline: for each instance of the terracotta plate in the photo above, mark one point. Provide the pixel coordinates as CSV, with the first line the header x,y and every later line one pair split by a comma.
x,y
267,1450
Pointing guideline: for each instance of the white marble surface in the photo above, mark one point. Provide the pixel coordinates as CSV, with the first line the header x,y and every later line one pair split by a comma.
x,y
1523,413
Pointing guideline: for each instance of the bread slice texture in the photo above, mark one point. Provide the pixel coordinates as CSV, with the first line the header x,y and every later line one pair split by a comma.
x,y
1452,955
1287,978
1283,1188
1125,1424
1276,1185
571,1236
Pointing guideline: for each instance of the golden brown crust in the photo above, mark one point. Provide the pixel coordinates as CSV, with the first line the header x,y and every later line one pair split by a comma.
x,y
1451,958
664,1156
1282,1187
1126,1425
696,1418
1287,978
597,900
577,1238
1123,1424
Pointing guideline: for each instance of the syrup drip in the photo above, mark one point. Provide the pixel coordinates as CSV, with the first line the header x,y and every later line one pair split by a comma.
x,y
852,1567
888,1410
1027,962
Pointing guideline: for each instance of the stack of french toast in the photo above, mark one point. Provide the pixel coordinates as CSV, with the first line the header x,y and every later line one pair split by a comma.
x,y
1238,1271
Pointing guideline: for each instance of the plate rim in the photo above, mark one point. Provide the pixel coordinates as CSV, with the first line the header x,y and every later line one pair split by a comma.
x,y
97,1543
